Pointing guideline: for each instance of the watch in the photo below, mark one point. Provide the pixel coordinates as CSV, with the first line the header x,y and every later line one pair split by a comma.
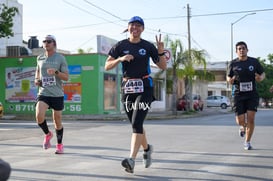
x,y
57,72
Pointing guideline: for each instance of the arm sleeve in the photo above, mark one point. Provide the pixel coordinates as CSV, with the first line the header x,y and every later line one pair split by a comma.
x,y
113,52
64,66
154,54
230,70
260,68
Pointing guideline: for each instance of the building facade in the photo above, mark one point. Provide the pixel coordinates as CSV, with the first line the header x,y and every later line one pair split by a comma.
x,y
89,90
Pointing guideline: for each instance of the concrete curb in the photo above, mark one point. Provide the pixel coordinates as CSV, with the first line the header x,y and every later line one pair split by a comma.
x,y
122,116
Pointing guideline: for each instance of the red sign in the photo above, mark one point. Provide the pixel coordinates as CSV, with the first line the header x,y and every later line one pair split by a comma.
x,y
167,55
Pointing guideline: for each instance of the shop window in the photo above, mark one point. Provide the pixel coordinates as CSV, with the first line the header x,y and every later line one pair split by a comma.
x,y
158,87
110,92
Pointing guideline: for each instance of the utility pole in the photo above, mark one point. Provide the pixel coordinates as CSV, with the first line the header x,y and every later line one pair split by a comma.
x,y
189,29
188,81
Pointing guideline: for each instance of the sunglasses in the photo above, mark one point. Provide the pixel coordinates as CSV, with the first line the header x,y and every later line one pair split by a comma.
x,y
243,48
47,41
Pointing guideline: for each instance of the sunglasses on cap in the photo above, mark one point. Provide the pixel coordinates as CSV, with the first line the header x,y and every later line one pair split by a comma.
x,y
47,41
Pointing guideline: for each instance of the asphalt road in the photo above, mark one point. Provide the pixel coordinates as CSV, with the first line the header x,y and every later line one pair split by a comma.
x,y
198,148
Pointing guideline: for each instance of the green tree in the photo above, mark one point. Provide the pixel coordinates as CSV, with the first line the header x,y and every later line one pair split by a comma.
x,y
177,53
264,86
6,20
82,51
193,58
183,67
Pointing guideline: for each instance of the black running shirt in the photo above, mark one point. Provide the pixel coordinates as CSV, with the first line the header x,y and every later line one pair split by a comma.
x,y
245,70
142,51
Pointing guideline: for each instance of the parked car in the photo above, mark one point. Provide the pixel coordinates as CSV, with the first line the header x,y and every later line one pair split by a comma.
x,y
266,104
218,101
198,103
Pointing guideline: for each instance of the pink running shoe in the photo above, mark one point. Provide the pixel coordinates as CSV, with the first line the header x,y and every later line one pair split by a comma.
x,y
47,139
59,149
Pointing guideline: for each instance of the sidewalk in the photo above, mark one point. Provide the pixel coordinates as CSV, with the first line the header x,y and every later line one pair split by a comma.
x,y
156,115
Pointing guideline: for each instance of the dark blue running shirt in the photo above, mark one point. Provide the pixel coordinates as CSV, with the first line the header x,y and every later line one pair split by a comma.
x,y
245,71
142,51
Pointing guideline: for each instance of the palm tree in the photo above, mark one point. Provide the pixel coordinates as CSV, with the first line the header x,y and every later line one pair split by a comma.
x,y
178,56
183,67
193,58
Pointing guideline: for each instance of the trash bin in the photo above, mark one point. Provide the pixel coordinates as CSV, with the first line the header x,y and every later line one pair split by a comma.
x,y
1,110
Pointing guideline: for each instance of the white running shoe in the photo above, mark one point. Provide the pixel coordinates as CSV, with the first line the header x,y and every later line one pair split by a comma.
x,y
128,164
247,146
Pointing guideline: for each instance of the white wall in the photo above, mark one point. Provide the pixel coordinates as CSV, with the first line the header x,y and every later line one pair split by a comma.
x,y
159,105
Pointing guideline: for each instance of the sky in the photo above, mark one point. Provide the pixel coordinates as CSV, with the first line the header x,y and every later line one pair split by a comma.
x,y
75,23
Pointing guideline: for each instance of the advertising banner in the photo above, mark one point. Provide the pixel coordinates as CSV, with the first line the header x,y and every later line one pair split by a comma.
x,y
21,89
20,85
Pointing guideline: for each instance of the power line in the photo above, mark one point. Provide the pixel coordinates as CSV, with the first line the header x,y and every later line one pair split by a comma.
x,y
103,10
158,18
77,7
234,12
73,5
212,14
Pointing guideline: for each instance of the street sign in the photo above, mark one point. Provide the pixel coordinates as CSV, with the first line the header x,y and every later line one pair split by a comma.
x,y
168,55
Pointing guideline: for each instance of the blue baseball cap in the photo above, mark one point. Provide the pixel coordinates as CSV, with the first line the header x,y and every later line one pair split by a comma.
x,y
136,19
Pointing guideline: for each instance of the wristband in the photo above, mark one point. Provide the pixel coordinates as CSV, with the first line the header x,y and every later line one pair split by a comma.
x,y
56,72
161,54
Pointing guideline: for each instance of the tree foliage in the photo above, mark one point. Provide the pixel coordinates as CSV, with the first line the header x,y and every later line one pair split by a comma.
x,y
6,20
264,86
178,57
183,66
82,51
193,58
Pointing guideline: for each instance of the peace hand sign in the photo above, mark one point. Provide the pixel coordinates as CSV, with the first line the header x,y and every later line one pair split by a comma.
x,y
159,43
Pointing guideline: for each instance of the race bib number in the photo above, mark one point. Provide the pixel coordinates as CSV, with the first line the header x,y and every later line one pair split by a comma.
x,y
48,81
133,86
246,86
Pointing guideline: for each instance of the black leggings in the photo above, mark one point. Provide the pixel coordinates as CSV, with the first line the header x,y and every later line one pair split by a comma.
x,y
136,107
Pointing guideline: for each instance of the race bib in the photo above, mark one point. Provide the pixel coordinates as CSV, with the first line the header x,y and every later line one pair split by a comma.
x,y
246,86
133,86
48,81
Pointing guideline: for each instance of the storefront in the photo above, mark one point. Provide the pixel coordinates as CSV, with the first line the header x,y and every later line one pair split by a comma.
x,y
89,90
